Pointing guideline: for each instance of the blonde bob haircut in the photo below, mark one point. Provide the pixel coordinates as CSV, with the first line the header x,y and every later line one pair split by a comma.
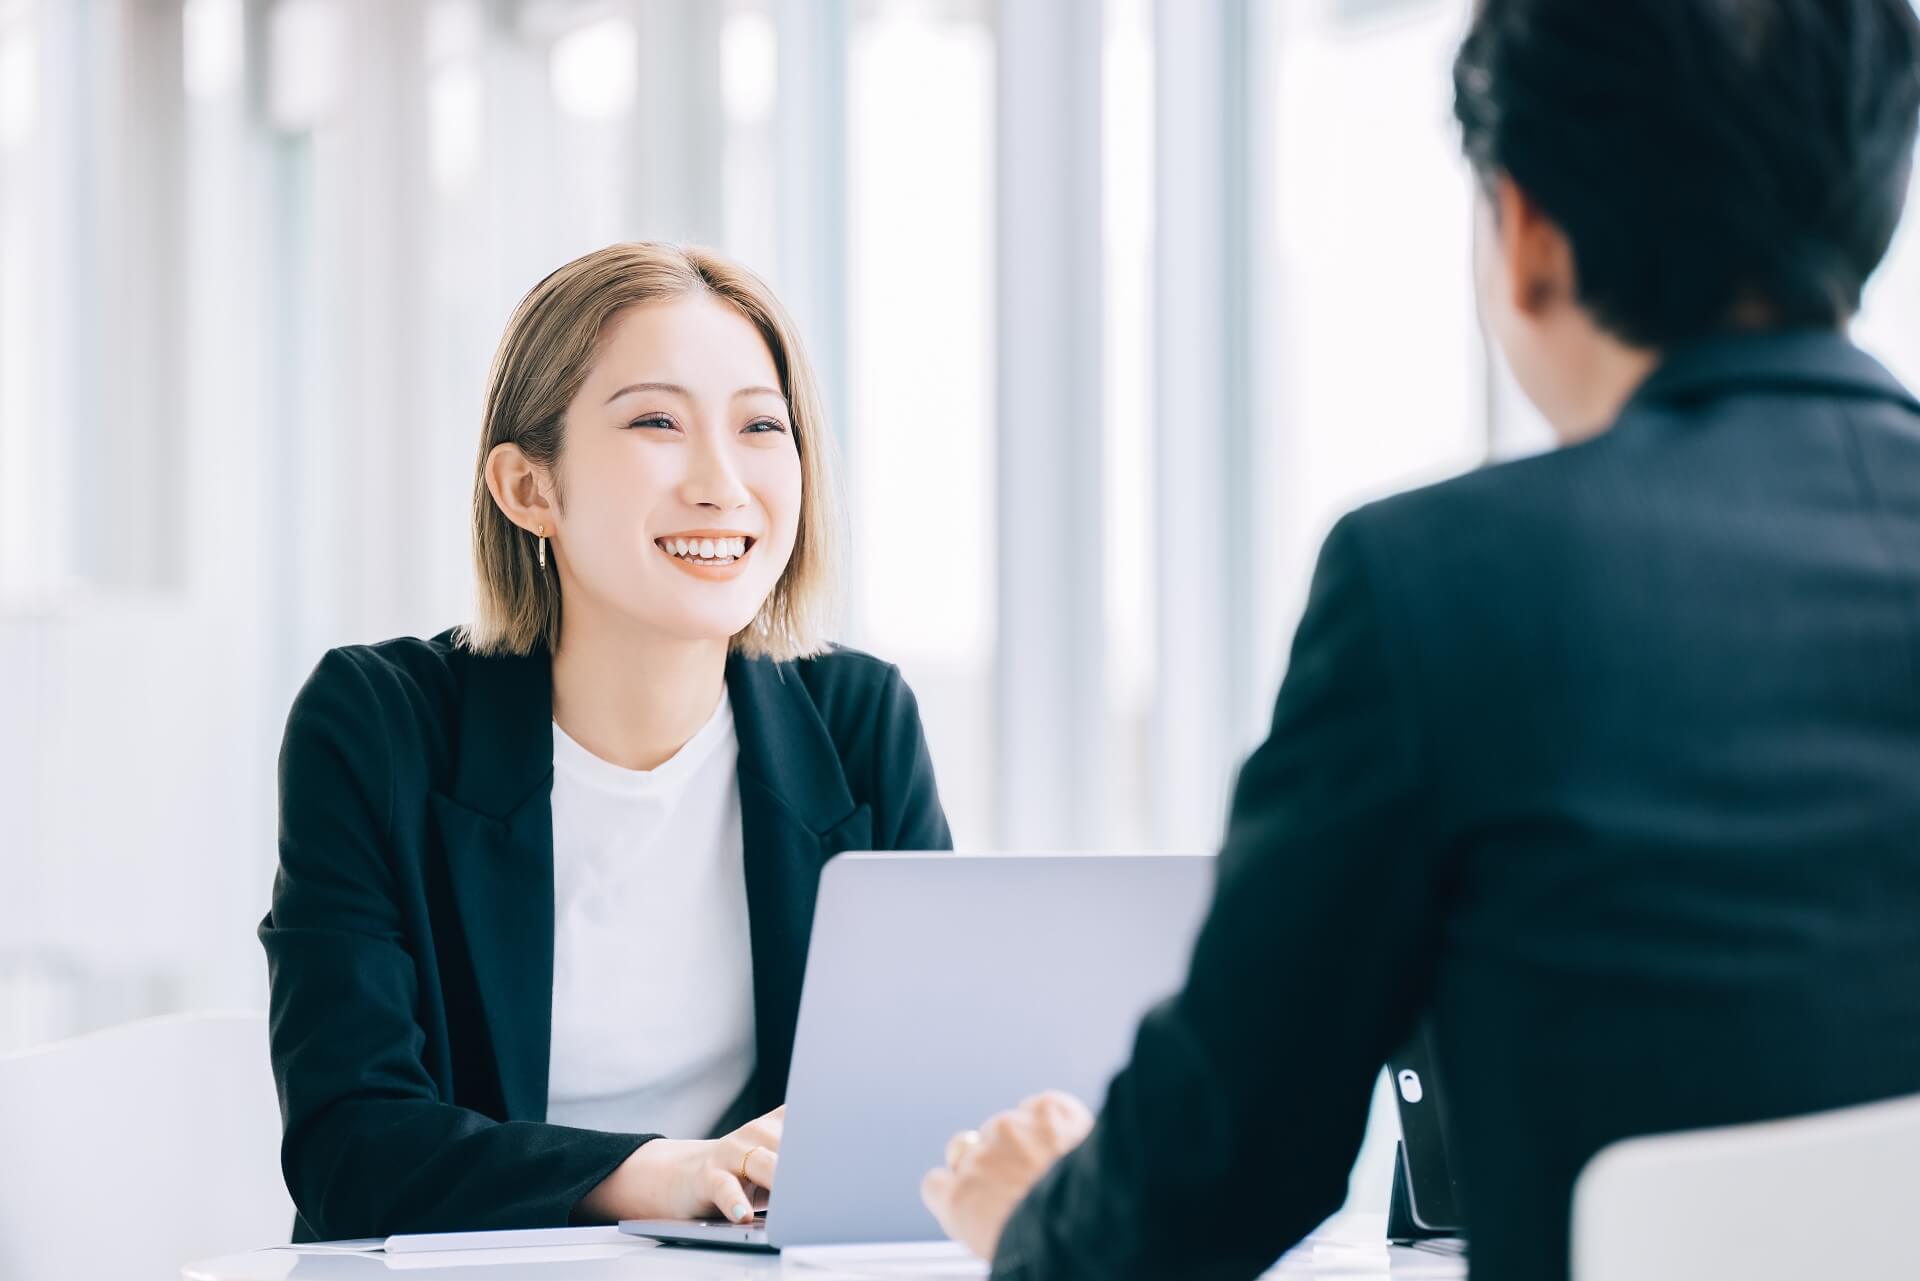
x,y
550,344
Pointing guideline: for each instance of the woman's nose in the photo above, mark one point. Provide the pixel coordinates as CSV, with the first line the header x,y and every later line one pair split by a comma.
x,y
713,480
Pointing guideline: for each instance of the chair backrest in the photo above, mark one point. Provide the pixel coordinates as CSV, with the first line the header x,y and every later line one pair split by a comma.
x,y
1828,1195
142,1147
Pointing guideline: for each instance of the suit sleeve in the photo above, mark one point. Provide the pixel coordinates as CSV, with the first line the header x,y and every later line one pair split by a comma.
x,y
910,817
1230,1134
369,1147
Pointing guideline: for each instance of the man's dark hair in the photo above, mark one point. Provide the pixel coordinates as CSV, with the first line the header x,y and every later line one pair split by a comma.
x,y
1705,158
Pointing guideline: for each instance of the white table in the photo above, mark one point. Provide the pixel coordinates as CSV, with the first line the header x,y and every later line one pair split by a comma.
x,y
1351,1249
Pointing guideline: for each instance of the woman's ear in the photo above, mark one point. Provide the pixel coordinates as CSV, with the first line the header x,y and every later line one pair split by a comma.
x,y
1538,257
522,489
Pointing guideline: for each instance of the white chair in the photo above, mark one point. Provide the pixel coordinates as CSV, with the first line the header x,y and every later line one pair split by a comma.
x,y
151,1144
1828,1195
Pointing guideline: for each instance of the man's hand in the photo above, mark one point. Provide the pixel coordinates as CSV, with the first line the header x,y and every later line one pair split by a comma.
x,y
989,1170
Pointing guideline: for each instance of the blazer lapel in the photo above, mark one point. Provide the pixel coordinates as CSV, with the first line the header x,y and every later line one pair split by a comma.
x,y
796,811
496,833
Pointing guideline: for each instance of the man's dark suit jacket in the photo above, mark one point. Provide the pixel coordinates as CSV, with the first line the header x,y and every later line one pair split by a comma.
x,y
1608,761
410,941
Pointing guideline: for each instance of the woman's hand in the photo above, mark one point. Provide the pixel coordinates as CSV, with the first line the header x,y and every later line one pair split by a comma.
x,y
988,1171
691,1178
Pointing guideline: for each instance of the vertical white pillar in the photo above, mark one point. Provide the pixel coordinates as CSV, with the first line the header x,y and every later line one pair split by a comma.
x,y
125,362
1203,393
231,525
383,200
811,263
1048,189
39,239
678,128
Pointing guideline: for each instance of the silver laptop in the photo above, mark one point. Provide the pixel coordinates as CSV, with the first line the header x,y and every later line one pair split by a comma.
x,y
940,989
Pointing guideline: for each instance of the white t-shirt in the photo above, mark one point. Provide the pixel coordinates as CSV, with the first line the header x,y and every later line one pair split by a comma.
x,y
652,964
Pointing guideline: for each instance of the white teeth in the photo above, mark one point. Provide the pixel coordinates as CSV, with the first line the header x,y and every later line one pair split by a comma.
x,y
720,550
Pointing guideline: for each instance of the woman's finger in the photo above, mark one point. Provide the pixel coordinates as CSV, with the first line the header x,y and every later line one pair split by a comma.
x,y
765,1130
724,1190
766,1133
762,1163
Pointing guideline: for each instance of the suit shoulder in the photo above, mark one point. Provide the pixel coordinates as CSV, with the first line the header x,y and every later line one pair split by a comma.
x,y
1507,488
1526,514
407,675
852,692
844,678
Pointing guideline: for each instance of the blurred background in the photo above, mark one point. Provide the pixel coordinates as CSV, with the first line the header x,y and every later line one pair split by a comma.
x,y
1117,304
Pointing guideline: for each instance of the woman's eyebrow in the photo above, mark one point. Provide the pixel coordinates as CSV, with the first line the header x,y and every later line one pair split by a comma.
x,y
675,389
672,388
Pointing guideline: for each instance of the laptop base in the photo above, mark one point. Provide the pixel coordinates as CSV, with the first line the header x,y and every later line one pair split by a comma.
x,y
710,1234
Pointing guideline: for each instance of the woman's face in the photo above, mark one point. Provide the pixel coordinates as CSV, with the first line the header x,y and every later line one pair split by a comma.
x,y
678,441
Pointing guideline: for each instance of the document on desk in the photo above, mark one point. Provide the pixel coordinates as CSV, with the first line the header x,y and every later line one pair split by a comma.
x,y
923,1261
365,1245
436,1242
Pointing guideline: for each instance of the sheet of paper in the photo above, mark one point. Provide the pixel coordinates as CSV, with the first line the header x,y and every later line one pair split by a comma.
x,y
927,1261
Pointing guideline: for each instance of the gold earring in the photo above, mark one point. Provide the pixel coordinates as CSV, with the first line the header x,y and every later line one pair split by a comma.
x,y
543,546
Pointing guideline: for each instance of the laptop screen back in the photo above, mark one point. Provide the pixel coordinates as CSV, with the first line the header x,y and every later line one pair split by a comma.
x,y
943,988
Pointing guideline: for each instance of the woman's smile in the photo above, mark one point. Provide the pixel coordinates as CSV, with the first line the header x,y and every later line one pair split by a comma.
x,y
714,554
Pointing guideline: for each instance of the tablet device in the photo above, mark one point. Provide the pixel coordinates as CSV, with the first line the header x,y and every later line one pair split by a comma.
x,y
1432,1198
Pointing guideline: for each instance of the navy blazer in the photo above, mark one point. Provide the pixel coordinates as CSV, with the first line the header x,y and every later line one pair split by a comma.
x,y
1608,762
410,940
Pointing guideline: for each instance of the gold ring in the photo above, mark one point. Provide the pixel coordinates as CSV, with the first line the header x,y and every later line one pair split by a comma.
x,y
958,1146
746,1157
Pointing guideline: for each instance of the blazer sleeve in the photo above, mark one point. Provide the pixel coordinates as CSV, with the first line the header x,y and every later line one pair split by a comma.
x,y
1246,1097
369,1146
909,815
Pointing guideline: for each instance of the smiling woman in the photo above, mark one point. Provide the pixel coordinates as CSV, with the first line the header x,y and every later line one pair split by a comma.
x,y
680,388
546,881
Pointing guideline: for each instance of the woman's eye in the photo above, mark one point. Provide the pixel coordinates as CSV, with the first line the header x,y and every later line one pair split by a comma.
x,y
765,425
655,420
